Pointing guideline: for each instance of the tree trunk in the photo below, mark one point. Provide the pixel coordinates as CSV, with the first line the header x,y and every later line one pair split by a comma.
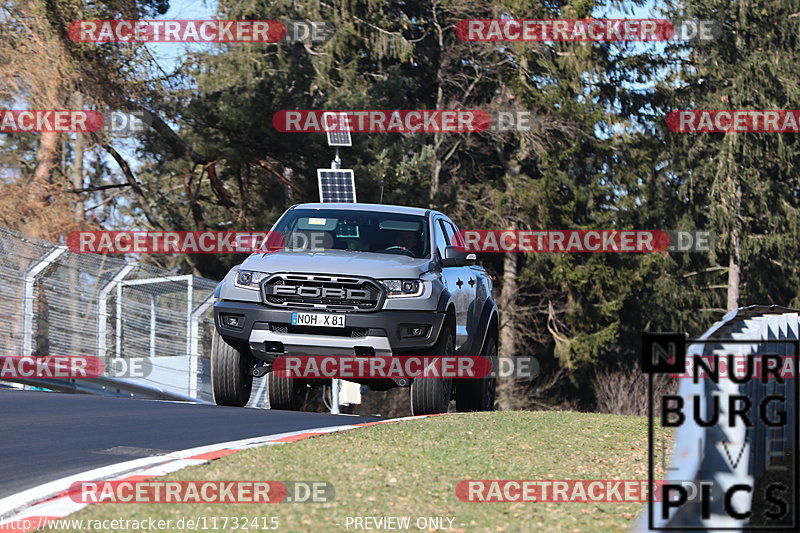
x,y
76,172
76,178
734,273
438,140
506,387
734,262
46,163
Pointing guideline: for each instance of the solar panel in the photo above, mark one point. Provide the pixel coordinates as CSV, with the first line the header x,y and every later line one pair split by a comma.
x,y
341,134
336,185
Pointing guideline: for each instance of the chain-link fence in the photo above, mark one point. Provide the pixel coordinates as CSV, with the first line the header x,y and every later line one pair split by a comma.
x,y
55,302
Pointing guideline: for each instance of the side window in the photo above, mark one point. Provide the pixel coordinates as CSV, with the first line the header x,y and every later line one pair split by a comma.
x,y
450,233
439,236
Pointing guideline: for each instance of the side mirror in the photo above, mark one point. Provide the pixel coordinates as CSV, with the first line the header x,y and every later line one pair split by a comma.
x,y
456,256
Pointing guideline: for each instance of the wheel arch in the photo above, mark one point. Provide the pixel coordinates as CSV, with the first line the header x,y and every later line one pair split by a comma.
x,y
488,324
493,329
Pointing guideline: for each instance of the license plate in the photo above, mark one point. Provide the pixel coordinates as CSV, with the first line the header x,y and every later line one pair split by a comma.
x,y
318,319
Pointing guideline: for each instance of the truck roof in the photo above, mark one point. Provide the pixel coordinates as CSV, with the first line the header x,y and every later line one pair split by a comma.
x,y
381,208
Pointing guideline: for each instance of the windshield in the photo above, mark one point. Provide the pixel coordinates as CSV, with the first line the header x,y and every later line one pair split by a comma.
x,y
358,231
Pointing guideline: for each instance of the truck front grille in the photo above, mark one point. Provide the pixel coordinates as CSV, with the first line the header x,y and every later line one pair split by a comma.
x,y
318,291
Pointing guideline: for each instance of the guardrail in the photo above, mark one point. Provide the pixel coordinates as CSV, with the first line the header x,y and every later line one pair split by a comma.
x,y
724,455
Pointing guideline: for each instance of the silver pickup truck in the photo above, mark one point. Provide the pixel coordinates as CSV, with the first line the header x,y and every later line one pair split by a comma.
x,y
356,280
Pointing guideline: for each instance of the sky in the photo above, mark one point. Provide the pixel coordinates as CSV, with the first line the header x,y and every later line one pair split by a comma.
x,y
168,54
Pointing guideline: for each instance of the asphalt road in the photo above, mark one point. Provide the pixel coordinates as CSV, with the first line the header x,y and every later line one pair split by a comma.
x,y
46,436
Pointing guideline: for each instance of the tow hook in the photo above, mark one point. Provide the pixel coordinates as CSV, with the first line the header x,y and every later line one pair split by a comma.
x,y
259,371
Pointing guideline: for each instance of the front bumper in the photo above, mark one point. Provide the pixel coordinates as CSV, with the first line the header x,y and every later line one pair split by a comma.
x,y
267,332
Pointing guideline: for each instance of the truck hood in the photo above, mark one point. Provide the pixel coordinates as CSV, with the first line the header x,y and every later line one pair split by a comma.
x,y
343,263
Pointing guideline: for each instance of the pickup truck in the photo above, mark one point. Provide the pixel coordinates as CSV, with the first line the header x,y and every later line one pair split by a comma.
x,y
382,280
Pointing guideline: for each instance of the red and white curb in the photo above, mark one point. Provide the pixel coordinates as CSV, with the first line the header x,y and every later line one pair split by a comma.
x,y
33,508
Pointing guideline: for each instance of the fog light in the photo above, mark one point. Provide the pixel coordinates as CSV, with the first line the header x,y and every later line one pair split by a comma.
x,y
232,321
414,331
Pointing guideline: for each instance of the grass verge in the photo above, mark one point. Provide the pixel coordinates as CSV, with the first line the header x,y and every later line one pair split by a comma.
x,y
411,468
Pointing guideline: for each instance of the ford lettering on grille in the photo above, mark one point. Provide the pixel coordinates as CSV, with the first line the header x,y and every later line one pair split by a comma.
x,y
319,291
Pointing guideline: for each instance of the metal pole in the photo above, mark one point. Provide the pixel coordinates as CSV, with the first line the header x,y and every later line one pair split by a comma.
x,y
102,308
152,325
27,298
118,328
193,366
189,309
194,349
335,386
160,279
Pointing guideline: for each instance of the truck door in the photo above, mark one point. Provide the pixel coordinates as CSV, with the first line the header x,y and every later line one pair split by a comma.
x,y
455,279
469,281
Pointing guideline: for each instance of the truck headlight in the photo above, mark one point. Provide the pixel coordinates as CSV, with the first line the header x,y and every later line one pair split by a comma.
x,y
403,288
248,279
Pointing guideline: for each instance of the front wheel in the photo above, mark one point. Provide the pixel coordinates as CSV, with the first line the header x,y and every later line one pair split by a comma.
x,y
231,380
431,395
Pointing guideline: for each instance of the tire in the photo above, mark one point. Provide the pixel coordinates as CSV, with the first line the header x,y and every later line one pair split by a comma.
x,y
284,393
231,381
431,396
478,394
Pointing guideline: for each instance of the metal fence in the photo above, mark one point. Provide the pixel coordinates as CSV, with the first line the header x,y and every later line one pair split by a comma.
x,y
55,302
